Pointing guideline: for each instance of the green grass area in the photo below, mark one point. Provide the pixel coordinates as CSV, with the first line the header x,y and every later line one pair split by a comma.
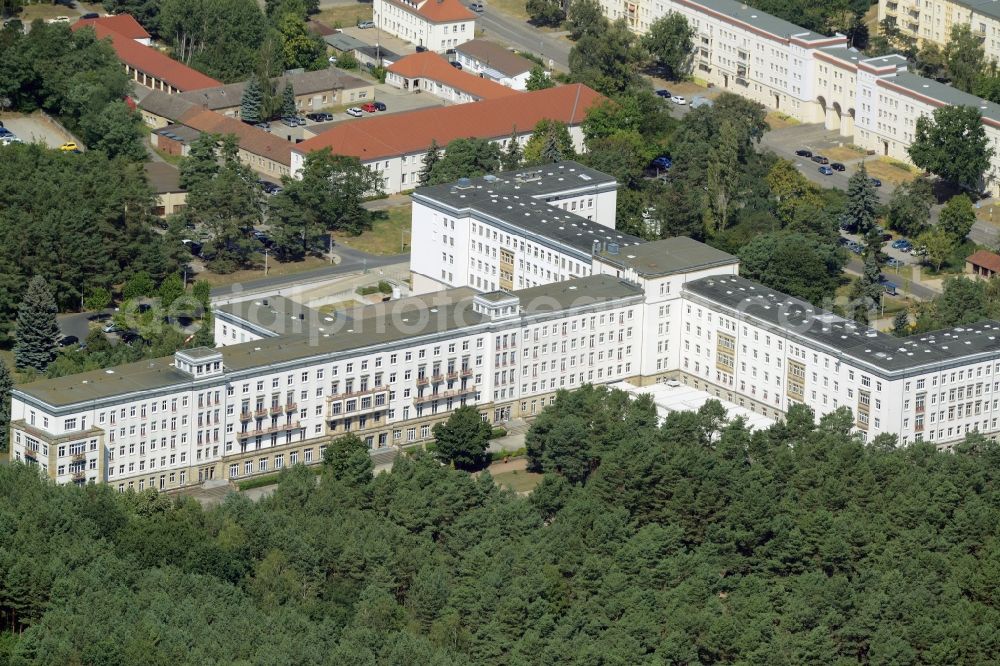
x,y
274,268
271,479
345,16
390,234
334,307
518,480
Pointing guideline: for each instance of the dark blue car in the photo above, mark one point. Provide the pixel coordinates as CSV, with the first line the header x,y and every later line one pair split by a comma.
x,y
663,162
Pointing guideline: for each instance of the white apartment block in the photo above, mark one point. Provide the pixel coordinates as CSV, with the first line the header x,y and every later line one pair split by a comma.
x,y
514,230
437,25
932,20
560,301
873,102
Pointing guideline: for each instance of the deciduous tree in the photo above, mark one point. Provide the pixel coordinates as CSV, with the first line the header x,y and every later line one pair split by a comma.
x,y
668,41
952,144
538,79
957,218
463,438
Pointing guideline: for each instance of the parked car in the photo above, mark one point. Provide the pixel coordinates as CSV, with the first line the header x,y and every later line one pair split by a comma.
x,y
266,126
825,170
90,15
456,64
893,262
320,117
332,60
129,337
837,166
69,340
663,162
269,187
876,182
5,132
477,7
354,111
664,93
802,152
369,107
365,25
379,106
8,139
68,147
819,159
421,49
112,328
901,243
289,121
677,99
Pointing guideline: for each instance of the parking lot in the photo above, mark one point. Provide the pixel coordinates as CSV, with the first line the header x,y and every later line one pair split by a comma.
x,y
35,128
395,100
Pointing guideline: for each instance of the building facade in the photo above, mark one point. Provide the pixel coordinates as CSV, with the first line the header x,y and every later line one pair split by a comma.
x,y
437,25
933,20
495,63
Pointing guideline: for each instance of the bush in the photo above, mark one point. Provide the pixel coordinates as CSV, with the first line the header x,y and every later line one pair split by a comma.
x,y
384,287
271,479
366,291
498,432
500,455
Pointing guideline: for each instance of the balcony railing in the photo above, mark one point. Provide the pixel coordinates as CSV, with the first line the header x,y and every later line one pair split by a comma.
x,y
79,457
466,372
357,394
292,425
454,393
423,380
260,413
246,416
291,406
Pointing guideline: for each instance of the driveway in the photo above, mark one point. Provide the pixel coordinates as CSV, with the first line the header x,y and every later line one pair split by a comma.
x,y
551,47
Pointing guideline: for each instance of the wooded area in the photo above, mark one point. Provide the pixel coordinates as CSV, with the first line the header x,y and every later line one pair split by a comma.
x,y
694,542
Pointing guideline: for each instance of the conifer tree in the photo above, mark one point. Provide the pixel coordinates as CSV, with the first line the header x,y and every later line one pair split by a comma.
x,y
431,157
862,201
251,102
37,333
901,324
6,385
288,101
551,152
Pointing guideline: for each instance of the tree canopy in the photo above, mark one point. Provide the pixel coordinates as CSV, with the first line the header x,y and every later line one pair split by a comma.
x,y
952,144
799,264
694,541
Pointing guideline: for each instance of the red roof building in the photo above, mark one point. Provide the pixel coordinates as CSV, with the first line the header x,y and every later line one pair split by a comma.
x,y
395,143
432,73
123,24
146,65
983,264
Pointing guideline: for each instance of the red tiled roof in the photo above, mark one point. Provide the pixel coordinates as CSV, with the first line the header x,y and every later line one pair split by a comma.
x,y
436,11
986,259
251,139
405,133
123,24
428,65
152,62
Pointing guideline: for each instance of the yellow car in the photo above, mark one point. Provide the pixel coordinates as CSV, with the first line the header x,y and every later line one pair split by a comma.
x,y
68,146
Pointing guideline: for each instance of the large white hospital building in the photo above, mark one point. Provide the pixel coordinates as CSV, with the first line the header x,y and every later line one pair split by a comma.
x,y
539,314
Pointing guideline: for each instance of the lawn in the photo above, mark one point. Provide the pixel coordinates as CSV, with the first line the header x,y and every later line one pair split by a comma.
x,y
777,120
274,268
989,213
46,11
519,481
390,233
345,16
514,8
890,171
843,153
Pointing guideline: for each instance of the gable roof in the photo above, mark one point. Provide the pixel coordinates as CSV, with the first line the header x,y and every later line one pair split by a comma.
x,y
303,83
496,57
165,105
409,132
986,259
149,60
436,11
123,24
429,65
250,138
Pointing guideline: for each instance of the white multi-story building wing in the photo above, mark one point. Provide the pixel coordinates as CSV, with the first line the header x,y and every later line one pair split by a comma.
x,y
437,25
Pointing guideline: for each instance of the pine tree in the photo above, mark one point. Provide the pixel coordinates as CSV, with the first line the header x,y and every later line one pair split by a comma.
x,y
251,102
288,101
36,331
551,152
901,324
862,201
511,158
6,385
871,281
432,157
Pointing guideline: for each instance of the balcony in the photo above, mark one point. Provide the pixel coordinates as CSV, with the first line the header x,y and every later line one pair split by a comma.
x,y
444,395
423,380
357,394
79,474
79,457
466,372
919,409
260,413
357,410
891,6
291,406
437,379
292,425
277,410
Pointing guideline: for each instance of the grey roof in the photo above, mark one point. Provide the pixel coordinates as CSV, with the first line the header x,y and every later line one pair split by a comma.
x,y
758,19
519,197
167,106
274,315
945,93
496,57
303,83
163,177
984,7
181,133
679,254
383,324
376,52
820,328
198,353
343,42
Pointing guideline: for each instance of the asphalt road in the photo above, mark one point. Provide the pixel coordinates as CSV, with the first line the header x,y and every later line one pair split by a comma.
x,y
524,36
350,261
906,287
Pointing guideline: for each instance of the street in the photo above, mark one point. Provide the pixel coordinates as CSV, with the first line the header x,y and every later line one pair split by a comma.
x,y
552,48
